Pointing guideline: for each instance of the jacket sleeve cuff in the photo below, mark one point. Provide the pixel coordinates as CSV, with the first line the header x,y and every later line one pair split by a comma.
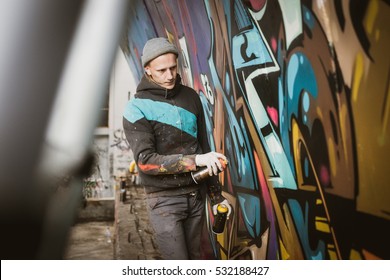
x,y
189,162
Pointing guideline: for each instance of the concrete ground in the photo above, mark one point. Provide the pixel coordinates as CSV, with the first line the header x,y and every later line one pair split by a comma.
x,y
88,241
134,238
126,235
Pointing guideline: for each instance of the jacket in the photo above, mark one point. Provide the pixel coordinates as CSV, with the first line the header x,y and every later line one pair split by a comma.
x,y
166,130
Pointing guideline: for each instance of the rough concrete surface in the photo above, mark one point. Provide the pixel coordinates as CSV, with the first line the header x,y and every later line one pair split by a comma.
x,y
88,241
130,234
135,240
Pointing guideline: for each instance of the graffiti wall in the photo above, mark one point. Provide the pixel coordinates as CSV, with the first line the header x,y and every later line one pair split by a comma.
x,y
296,94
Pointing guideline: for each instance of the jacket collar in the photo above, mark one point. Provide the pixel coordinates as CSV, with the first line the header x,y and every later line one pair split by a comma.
x,y
147,84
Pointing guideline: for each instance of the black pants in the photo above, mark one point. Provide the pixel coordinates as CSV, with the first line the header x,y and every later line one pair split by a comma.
x,y
177,224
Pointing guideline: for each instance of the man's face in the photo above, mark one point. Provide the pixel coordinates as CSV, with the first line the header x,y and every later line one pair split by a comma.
x,y
163,70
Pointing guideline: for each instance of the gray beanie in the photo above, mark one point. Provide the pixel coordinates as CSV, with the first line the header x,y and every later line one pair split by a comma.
x,y
156,47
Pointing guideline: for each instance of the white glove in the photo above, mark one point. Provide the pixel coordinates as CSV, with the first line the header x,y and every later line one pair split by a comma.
x,y
211,160
226,203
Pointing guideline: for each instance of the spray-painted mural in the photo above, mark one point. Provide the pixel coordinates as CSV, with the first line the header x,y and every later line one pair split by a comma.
x,y
296,94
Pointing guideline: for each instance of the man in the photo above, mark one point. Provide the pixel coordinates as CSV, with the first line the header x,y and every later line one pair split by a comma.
x,y
164,125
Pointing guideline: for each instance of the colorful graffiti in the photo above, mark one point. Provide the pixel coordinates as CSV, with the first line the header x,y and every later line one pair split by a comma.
x,y
296,93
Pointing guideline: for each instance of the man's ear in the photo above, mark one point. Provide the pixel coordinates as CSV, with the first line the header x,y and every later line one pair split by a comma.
x,y
147,70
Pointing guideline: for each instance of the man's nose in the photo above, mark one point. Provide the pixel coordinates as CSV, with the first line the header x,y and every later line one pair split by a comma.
x,y
169,74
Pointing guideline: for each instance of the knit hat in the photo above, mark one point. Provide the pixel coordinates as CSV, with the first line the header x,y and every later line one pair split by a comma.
x,y
156,47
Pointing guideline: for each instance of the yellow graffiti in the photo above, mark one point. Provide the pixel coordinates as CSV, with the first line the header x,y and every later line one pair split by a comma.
x,y
322,225
357,76
298,145
372,13
332,157
386,117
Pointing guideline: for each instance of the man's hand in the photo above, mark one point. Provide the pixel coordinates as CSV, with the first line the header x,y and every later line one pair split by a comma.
x,y
226,203
213,162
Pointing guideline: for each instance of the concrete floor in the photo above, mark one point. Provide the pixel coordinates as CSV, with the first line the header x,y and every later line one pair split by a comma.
x,y
134,237
130,233
89,241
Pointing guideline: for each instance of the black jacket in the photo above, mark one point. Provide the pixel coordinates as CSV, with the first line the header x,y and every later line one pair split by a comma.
x,y
165,130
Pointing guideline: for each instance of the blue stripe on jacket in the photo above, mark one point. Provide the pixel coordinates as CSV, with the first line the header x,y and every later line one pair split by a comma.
x,y
161,112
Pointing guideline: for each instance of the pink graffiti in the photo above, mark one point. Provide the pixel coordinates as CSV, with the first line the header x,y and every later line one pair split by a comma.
x,y
273,114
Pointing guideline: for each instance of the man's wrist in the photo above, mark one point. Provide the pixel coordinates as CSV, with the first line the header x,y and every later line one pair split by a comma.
x,y
196,160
